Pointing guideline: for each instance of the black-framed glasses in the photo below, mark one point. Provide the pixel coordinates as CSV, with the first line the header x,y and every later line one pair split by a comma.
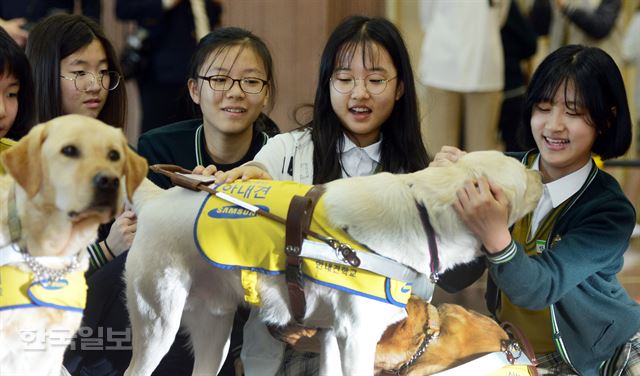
x,y
374,83
83,80
250,85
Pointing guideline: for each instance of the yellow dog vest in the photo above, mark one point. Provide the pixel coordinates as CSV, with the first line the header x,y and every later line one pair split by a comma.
x,y
17,290
231,237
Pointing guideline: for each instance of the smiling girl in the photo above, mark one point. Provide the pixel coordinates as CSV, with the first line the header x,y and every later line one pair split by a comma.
x,y
554,273
231,82
365,120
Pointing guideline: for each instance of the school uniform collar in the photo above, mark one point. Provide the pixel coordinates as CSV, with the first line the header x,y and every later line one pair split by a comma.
x,y
357,161
561,189
202,157
372,151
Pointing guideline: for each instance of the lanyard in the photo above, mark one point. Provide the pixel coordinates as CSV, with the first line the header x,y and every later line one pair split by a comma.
x,y
198,145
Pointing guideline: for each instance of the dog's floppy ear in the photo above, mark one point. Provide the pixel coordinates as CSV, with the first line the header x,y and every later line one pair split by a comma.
x,y
23,160
135,170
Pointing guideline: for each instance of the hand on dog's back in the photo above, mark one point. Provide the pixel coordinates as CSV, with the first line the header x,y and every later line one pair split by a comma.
x,y
245,172
446,155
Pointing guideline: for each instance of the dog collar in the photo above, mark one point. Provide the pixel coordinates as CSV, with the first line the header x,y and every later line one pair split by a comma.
x,y
434,263
13,254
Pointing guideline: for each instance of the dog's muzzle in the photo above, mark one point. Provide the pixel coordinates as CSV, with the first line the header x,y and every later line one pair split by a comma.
x,y
106,189
105,196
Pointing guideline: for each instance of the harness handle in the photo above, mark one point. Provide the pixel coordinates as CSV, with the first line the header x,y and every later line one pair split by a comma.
x,y
298,220
174,173
515,334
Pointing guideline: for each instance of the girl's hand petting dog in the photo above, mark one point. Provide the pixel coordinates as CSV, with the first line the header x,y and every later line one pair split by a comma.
x,y
242,172
484,209
482,206
446,155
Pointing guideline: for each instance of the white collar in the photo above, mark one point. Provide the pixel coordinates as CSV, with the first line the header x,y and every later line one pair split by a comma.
x,y
372,151
561,189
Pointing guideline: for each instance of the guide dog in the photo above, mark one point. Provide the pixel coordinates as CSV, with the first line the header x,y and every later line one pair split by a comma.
x,y
170,284
63,180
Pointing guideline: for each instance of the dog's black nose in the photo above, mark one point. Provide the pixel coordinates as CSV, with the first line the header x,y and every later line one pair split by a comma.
x,y
106,183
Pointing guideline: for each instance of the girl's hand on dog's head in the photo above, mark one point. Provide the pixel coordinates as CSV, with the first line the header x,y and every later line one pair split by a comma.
x,y
484,208
242,172
446,155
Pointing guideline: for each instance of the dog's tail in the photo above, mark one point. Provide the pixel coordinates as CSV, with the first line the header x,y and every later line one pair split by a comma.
x,y
145,192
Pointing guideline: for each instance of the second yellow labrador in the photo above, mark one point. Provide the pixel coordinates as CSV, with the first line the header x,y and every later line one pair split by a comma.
x,y
63,180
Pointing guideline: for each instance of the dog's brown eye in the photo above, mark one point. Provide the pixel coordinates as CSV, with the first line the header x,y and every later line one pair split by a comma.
x,y
70,151
114,156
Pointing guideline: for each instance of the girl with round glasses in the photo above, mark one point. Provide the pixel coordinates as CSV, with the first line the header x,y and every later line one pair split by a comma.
x,y
365,120
75,70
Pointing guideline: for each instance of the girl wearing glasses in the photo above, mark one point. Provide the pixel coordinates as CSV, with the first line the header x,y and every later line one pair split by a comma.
x,y
231,83
365,120
77,70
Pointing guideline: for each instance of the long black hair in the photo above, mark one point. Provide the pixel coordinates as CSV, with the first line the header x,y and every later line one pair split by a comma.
x,y
57,37
14,62
402,149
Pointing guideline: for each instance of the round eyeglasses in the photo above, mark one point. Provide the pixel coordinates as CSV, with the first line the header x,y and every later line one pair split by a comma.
x,y
374,83
84,81
249,85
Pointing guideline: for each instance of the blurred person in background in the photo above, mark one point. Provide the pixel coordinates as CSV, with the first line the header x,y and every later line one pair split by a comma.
x,y
169,31
519,42
462,67
17,17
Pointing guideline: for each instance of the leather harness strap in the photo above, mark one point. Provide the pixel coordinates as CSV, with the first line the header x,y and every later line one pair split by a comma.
x,y
517,342
298,221
434,265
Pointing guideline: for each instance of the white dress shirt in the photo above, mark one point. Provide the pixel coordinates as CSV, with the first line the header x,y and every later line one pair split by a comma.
x,y
357,161
557,192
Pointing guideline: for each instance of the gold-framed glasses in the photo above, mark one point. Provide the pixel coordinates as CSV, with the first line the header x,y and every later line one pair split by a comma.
x,y
84,80
250,85
374,83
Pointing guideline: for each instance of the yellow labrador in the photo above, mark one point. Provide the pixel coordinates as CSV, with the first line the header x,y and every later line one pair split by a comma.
x,y
181,287
453,335
63,180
